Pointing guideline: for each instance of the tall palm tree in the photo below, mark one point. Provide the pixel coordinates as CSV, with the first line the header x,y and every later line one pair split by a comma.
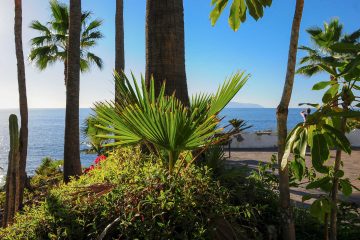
x,y
52,44
324,58
72,165
287,220
22,95
165,48
119,41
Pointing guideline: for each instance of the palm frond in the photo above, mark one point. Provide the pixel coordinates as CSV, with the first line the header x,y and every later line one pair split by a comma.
x,y
92,37
314,31
41,40
36,25
59,11
85,16
352,38
92,58
44,55
227,91
309,70
84,65
308,49
95,24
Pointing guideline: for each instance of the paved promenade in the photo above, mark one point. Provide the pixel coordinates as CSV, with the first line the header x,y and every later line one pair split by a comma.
x,y
351,168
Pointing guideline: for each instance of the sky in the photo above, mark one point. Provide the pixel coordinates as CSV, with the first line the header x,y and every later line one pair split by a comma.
x,y
212,53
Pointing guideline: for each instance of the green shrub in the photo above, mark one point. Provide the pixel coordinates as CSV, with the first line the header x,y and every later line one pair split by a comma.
x,y
137,192
47,176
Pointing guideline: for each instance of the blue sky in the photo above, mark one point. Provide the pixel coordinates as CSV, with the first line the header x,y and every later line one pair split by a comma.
x,y
212,53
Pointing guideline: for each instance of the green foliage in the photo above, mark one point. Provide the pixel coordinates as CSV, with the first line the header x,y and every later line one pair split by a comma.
x,y
239,125
49,167
332,49
91,131
238,10
338,56
320,208
47,176
253,191
52,44
349,221
162,122
137,190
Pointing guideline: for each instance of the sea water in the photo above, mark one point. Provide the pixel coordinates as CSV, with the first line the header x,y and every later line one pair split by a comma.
x,y
46,131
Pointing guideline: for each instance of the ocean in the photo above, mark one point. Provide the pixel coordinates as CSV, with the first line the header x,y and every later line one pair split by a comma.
x,y
46,131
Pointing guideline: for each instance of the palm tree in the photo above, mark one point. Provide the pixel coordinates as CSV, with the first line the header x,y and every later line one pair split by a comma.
x,y
72,165
165,49
322,57
22,95
119,40
287,220
52,44
327,56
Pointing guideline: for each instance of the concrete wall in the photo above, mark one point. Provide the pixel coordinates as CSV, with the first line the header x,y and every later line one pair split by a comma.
x,y
253,140
354,138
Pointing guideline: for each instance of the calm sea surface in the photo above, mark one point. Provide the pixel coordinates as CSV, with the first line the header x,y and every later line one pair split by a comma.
x,y
46,131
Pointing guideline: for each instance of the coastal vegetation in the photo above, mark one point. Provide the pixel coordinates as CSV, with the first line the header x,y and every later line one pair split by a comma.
x,y
160,170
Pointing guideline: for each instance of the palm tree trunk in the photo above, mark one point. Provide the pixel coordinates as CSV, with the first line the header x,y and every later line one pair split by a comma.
x,y
282,114
22,97
65,72
119,41
335,186
72,165
165,47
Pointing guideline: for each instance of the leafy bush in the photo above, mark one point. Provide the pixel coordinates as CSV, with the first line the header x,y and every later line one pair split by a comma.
x,y
135,197
252,191
47,176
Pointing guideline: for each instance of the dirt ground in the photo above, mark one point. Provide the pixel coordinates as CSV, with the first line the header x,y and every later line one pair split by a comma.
x,y
351,162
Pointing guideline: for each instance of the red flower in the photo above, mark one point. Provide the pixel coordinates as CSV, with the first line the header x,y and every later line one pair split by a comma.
x,y
86,170
99,159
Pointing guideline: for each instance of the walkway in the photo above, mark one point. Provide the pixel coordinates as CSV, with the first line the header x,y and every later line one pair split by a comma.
x,y
351,168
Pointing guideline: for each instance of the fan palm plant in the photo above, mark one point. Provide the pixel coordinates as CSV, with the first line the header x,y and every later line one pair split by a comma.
x,y
52,44
164,123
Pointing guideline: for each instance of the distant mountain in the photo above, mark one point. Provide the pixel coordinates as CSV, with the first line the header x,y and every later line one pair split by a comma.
x,y
243,105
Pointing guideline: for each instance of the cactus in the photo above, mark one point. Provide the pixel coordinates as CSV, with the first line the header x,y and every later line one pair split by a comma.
x,y
12,203
14,135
